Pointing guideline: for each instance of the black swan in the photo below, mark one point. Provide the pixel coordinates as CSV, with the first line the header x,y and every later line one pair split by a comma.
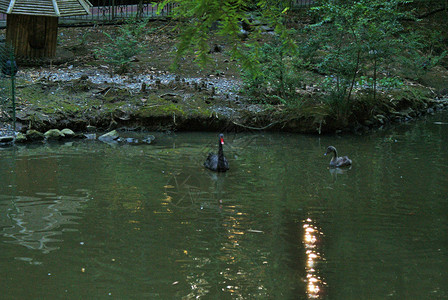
x,y
217,162
337,162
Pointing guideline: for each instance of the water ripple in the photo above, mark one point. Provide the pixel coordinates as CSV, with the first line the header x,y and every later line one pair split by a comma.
x,y
37,222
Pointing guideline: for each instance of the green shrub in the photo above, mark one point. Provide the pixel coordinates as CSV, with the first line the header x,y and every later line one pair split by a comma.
x,y
277,75
124,45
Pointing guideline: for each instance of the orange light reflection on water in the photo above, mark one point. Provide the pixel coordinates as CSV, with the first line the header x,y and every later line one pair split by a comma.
x,y
311,240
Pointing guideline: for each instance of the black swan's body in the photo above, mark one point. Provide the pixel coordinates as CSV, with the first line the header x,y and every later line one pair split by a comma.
x,y
336,161
217,162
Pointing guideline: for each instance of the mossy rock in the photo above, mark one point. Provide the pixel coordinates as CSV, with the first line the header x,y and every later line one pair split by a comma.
x,y
68,132
21,138
54,134
34,135
6,139
110,136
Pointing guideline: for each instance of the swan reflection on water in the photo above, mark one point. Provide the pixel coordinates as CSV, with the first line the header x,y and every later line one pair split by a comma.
x,y
187,191
338,171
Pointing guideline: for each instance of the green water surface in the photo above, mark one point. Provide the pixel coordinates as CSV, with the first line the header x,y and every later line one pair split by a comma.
x,y
89,220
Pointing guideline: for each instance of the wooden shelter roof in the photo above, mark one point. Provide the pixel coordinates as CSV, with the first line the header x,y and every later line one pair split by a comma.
x,y
50,8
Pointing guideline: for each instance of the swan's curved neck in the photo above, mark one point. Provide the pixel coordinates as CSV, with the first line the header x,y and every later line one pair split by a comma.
x,y
220,151
335,154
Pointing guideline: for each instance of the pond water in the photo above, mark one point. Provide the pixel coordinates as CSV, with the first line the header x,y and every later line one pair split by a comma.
x,y
92,220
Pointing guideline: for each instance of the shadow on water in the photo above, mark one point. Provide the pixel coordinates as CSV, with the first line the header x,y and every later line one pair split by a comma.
x,y
87,219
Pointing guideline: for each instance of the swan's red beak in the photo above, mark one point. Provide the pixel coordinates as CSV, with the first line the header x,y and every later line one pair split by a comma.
x,y
222,141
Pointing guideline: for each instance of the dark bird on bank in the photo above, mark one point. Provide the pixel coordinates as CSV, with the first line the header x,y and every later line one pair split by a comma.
x,y
9,67
336,161
217,162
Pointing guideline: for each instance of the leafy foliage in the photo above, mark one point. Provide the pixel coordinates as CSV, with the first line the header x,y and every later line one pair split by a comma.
x,y
277,75
354,38
350,45
126,44
202,19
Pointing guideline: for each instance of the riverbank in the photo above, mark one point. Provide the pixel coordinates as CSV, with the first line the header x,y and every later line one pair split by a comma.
x,y
77,90
79,97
